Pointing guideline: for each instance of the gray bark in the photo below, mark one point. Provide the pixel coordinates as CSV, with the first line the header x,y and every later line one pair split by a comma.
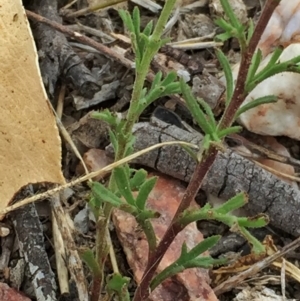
x,y
29,231
56,56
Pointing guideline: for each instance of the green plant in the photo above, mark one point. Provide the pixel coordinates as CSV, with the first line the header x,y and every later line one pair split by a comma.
x,y
124,180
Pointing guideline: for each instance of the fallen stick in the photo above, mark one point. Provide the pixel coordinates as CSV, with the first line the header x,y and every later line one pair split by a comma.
x,y
230,174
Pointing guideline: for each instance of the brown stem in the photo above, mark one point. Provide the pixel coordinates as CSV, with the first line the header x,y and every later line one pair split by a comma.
x,y
239,94
96,289
201,170
203,167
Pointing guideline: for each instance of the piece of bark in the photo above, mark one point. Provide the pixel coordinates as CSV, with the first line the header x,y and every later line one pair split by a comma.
x,y
56,56
88,133
209,88
29,232
230,174
7,244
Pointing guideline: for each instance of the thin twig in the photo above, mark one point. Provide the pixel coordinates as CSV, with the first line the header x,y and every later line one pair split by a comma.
x,y
74,261
91,175
60,256
98,46
82,38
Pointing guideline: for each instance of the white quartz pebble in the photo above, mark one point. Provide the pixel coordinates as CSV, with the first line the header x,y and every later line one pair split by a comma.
x,y
282,117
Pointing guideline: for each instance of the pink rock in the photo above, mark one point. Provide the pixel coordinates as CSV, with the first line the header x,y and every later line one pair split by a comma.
x,y
94,160
283,27
191,284
9,294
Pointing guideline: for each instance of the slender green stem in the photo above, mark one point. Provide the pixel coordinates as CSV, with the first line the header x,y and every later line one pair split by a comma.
x,y
102,250
132,117
145,64
257,246
170,271
150,234
163,19
138,86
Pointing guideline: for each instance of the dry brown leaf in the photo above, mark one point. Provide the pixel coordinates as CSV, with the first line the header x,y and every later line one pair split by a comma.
x,y
30,146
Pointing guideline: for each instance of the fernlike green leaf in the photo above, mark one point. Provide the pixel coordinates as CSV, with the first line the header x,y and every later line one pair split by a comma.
x,y
156,80
271,70
89,258
126,18
148,29
294,61
258,221
230,14
208,111
143,43
216,140
228,75
136,50
144,92
95,202
113,140
185,257
199,249
255,62
106,116
234,203
254,103
275,56
204,262
194,108
170,271
144,192
146,214
164,42
95,205
223,36
122,180
224,25
129,145
127,170
250,30
206,142
191,152
138,179
170,78
136,21
172,88
231,130
119,285
104,194
153,94
147,227
257,246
